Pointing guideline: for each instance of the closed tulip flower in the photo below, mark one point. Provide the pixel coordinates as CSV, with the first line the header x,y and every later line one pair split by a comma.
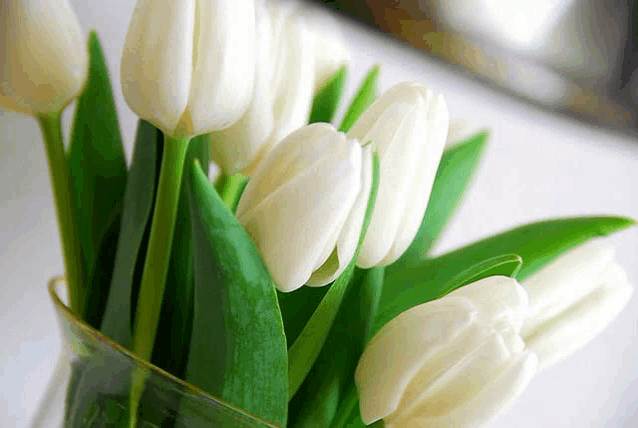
x,y
456,361
331,52
305,204
409,125
188,66
572,300
44,53
282,92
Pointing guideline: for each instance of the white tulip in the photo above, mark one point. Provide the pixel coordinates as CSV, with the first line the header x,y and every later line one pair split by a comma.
x,y
305,204
188,66
409,126
331,52
456,361
45,56
572,300
282,94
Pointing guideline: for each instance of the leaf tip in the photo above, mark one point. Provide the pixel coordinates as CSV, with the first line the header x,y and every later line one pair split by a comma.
x,y
615,224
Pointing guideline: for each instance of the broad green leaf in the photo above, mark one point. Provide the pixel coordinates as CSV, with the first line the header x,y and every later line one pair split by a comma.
x,y
138,204
365,96
297,307
455,172
170,350
325,387
304,352
103,271
326,100
348,415
507,265
97,170
536,243
238,347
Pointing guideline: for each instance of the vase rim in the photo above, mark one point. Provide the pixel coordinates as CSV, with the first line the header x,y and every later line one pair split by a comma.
x,y
57,281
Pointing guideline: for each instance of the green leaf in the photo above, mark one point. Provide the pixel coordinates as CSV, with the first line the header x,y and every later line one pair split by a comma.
x,y
303,353
507,265
365,96
537,244
97,168
348,414
238,347
170,350
455,172
138,204
325,387
326,101
103,271
297,307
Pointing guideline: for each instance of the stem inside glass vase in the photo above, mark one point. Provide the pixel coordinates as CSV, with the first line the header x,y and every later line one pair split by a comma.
x,y
92,385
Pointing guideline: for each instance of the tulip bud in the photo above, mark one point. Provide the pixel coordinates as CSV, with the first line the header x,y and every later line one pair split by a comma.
x,y
455,361
409,126
304,206
331,52
282,93
188,66
45,56
572,300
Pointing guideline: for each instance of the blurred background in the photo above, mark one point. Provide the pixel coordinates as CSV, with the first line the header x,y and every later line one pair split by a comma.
x,y
575,57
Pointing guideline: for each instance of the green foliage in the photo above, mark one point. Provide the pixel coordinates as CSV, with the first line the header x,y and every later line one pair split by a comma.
x,y
97,178
507,265
365,96
326,100
324,389
537,244
238,347
138,204
170,350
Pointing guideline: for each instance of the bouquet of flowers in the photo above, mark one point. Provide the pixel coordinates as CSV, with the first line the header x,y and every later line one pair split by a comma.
x,y
296,286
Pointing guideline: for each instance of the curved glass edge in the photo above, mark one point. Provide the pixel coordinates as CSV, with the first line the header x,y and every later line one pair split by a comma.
x,y
84,341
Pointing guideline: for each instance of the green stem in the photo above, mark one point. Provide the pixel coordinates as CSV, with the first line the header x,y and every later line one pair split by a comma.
x,y
149,301
71,250
229,188
158,254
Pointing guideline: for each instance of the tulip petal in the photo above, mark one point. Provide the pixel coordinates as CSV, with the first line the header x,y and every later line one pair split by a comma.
x,y
298,200
498,298
45,56
234,147
493,399
331,52
442,386
292,79
223,65
351,231
559,337
391,123
565,281
402,347
433,141
291,240
157,60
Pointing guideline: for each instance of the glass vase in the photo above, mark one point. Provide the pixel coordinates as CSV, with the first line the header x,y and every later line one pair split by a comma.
x,y
91,387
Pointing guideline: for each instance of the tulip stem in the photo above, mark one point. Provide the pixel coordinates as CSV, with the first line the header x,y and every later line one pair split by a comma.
x,y
158,254
229,188
54,144
149,301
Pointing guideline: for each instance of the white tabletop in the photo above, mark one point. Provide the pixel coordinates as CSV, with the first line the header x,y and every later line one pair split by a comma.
x,y
538,165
